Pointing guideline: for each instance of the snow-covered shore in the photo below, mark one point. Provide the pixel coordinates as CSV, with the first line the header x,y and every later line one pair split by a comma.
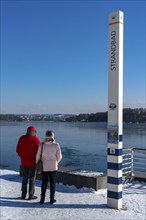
x,y
72,203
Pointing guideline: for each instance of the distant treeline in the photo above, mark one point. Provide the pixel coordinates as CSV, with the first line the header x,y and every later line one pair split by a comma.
x,y
129,115
137,115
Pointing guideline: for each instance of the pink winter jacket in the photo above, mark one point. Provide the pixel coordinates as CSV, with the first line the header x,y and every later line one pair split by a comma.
x,y
51,154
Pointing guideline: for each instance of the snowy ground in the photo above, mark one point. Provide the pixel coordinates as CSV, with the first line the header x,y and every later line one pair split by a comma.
x,y
72,203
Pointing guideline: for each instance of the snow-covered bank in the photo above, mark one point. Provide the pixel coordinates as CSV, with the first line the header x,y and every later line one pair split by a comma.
x,y
72,203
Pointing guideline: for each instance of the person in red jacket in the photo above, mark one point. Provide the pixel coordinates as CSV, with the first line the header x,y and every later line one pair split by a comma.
x,y
26,149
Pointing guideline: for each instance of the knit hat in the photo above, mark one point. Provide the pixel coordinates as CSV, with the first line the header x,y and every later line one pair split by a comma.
x,y
50,134
31,129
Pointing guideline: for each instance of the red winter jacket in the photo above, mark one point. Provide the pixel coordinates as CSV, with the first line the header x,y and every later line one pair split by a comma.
x,y
27,149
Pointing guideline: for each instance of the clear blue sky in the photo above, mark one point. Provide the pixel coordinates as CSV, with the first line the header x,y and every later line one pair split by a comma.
x,y
54,55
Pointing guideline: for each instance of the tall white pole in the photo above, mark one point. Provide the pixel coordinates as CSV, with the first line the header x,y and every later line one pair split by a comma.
x,y
115,110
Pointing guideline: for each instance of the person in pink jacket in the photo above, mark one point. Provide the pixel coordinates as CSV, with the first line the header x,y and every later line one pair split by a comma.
x,y
51,156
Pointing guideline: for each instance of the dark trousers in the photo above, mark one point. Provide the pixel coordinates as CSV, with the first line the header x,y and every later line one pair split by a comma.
x,y
28,173
50,175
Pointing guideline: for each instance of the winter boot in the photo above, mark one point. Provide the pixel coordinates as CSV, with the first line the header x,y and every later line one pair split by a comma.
x,y
42,200
52,200
32,197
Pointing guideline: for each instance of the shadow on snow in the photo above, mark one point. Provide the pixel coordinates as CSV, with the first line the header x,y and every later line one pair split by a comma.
x,y
5,202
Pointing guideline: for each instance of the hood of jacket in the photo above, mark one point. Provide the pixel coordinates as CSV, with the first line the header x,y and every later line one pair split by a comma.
x,y
49,139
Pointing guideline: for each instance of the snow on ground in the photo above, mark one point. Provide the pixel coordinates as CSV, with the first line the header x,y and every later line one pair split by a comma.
x,y
72,203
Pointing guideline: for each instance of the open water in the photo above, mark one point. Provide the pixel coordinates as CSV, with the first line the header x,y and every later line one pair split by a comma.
x,y
84,145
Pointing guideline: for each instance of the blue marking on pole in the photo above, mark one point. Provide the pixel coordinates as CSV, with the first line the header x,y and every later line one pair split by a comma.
x,y
114,180
114,166
114,195
118,152
120,138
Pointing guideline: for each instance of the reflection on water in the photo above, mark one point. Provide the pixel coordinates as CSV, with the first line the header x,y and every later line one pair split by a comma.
x,y
88,161
84,145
